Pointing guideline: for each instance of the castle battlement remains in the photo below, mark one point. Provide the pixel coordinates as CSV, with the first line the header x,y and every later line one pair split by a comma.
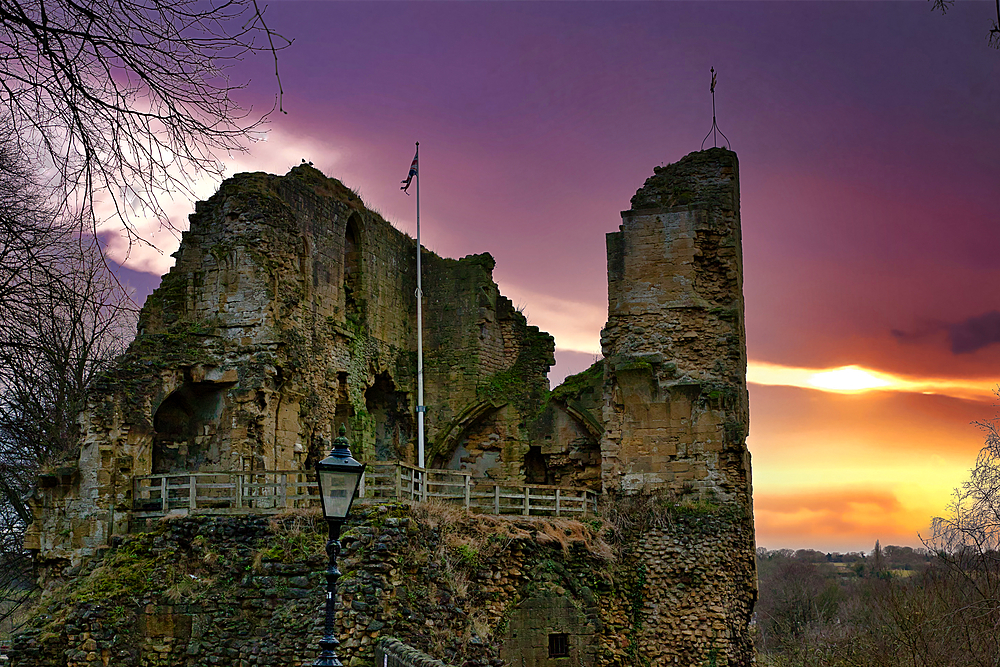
x,y
290,311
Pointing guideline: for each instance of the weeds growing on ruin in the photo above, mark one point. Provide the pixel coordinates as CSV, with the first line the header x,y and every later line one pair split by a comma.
x,y
296,535
624,515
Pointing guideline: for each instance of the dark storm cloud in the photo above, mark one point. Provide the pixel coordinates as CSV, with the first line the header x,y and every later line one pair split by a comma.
x,y
964,337
975,332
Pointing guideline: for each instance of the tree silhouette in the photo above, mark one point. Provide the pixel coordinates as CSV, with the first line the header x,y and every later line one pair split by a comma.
x,y
994,35
126,99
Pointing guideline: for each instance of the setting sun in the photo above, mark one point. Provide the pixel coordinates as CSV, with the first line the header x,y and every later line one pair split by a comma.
x,y
848,378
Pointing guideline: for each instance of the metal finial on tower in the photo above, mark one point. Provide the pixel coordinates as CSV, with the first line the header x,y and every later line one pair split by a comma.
x,y
715,131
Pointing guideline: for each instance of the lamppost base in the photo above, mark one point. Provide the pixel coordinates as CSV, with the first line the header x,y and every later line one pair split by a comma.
x,y
325,660
328,654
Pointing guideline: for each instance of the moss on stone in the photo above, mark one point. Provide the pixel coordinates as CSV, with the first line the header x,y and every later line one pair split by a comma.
x,y
575,385
699,178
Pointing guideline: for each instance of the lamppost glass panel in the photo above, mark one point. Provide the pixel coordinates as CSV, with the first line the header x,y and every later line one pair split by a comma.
x,y
337,488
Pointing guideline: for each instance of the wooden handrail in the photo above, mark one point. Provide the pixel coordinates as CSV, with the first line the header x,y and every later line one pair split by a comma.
x,y
270,491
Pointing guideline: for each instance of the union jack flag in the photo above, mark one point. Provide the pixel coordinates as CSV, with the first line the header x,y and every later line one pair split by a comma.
x,y
413,172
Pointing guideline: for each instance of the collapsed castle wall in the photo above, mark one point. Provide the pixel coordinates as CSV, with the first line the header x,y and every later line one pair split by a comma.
x,y
290,310
677,409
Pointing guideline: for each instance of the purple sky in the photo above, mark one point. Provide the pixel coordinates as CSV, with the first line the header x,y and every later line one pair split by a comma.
x,y
867,134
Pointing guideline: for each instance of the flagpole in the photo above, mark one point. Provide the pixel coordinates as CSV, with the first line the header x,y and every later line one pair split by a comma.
x,y
421,408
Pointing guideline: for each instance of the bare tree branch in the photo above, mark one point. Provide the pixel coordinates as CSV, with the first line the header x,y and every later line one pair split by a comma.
x,y
64,318
993,37
126,99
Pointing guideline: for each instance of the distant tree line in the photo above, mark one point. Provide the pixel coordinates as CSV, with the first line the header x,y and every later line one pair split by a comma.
x,y
936,606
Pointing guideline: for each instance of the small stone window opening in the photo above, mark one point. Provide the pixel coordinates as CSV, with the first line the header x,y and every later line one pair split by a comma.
x,y
559,645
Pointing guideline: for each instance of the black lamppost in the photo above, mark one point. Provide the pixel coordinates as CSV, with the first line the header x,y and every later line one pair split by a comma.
x,y
339,475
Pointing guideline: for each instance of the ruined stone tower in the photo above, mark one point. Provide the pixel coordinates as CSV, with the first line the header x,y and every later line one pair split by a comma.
x,y
676,410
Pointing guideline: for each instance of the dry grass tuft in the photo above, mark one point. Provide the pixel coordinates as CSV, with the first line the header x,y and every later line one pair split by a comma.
x,y
463,530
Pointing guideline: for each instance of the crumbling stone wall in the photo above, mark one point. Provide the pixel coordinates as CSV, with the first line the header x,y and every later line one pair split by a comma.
x,y
676,413
470,591
290,310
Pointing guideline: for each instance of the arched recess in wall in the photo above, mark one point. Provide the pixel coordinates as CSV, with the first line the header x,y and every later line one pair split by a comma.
x,y
353,238
475,420
390,409
565,446
185,429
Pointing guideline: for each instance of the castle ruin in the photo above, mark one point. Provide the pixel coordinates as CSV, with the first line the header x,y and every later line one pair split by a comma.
x,y
290,311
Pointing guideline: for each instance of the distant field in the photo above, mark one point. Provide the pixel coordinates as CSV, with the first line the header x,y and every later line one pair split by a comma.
x,y
847,569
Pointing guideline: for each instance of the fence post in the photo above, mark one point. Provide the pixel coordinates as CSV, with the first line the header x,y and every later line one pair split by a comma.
x,y
239,490
467,490
527,502
423,484
165,505
192,493
284,489
557,501
399,481
361,485
496,499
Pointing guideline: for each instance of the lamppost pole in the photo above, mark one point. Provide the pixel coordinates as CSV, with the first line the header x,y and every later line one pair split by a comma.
x,y
329,643
338,476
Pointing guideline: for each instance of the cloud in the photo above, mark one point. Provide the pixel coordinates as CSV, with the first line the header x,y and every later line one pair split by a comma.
x,y
280,151
839,518
837,501
964,337
975,333
576,325
921,332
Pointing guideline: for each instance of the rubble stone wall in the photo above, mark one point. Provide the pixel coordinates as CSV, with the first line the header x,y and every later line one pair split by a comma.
x,y
467,590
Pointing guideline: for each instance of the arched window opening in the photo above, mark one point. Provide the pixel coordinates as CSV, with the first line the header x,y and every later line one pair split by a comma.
x,y
352,264
393,423
184,429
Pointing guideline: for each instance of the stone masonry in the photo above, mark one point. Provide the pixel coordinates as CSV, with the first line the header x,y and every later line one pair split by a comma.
x,y
676,412
291,311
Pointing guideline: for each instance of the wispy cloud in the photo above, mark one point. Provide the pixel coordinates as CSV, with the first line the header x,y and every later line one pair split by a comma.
x,y
575,325
838,518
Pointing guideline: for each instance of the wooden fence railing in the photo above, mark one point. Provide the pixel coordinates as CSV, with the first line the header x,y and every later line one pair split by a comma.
x,y
272,491
405,482
256,491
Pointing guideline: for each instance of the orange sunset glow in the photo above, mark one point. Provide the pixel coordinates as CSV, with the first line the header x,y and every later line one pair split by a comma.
x,y
841,456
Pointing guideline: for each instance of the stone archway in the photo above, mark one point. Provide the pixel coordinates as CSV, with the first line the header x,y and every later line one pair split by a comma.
x,y
185,429
389,408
